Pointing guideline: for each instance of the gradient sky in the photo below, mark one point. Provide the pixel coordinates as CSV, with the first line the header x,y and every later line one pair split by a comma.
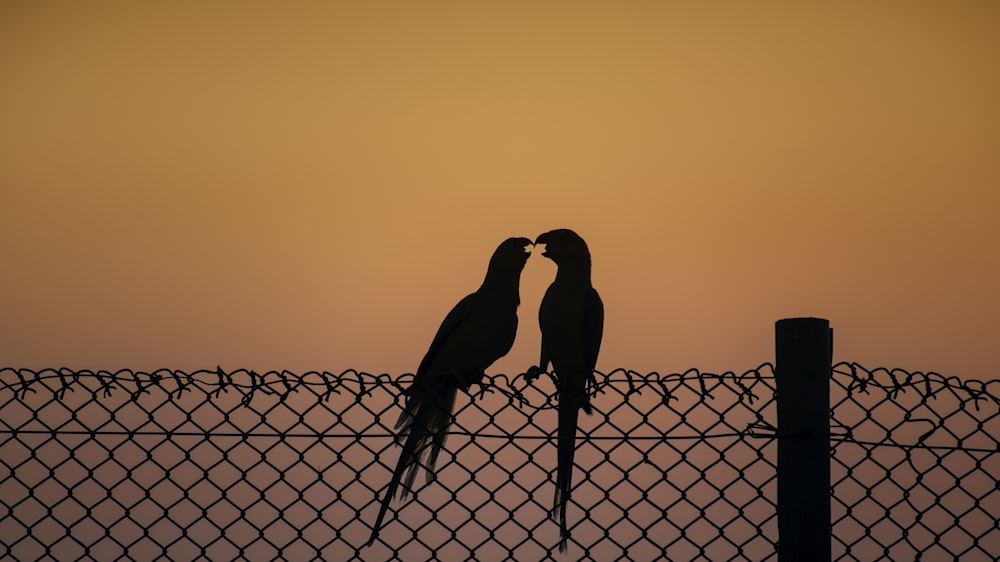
x,y
314,185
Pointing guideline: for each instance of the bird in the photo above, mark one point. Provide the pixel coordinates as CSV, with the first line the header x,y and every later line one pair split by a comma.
x,y
571,318
479,330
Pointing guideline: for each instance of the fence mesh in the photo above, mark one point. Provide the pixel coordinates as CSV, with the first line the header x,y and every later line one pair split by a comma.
x,y
915,465
229,465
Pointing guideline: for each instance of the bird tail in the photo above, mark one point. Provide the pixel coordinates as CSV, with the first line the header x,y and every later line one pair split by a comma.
x,y
573,398
424,425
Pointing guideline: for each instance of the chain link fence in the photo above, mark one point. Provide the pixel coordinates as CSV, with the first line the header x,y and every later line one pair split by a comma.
x,y
241,465
915,465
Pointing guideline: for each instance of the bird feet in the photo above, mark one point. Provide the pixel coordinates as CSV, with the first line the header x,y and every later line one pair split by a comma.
x,y
533,373
454,376
484,387
592,384
530,377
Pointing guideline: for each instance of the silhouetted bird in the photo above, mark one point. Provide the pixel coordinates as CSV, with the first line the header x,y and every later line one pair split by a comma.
x,y
477,332
572,322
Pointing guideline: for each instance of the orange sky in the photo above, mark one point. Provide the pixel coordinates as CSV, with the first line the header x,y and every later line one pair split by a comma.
x,y
313,187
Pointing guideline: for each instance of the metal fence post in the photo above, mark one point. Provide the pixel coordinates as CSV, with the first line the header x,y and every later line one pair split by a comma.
x,y
804,350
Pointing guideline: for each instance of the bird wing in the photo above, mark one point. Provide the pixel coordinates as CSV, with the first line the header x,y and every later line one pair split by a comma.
x,y
593,327
458,313
547,335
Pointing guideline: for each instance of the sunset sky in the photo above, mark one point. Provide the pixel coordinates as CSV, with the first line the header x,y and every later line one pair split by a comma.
x,y
314,185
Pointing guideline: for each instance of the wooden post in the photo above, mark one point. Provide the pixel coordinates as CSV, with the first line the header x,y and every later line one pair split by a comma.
x,y
804,356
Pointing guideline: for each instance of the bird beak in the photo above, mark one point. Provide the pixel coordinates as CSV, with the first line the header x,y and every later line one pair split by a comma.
x,y
526,245
543,239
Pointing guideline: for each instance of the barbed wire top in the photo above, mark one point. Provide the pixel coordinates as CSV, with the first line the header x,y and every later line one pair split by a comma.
x,y
352,382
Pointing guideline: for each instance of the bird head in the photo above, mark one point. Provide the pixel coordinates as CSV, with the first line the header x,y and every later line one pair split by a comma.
x,y
564,246
511,255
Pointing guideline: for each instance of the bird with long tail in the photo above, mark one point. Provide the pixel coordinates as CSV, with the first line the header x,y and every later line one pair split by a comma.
x,y
479,330
571,318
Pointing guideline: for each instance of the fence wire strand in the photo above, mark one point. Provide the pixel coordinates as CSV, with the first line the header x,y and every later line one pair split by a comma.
x,y
215,464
